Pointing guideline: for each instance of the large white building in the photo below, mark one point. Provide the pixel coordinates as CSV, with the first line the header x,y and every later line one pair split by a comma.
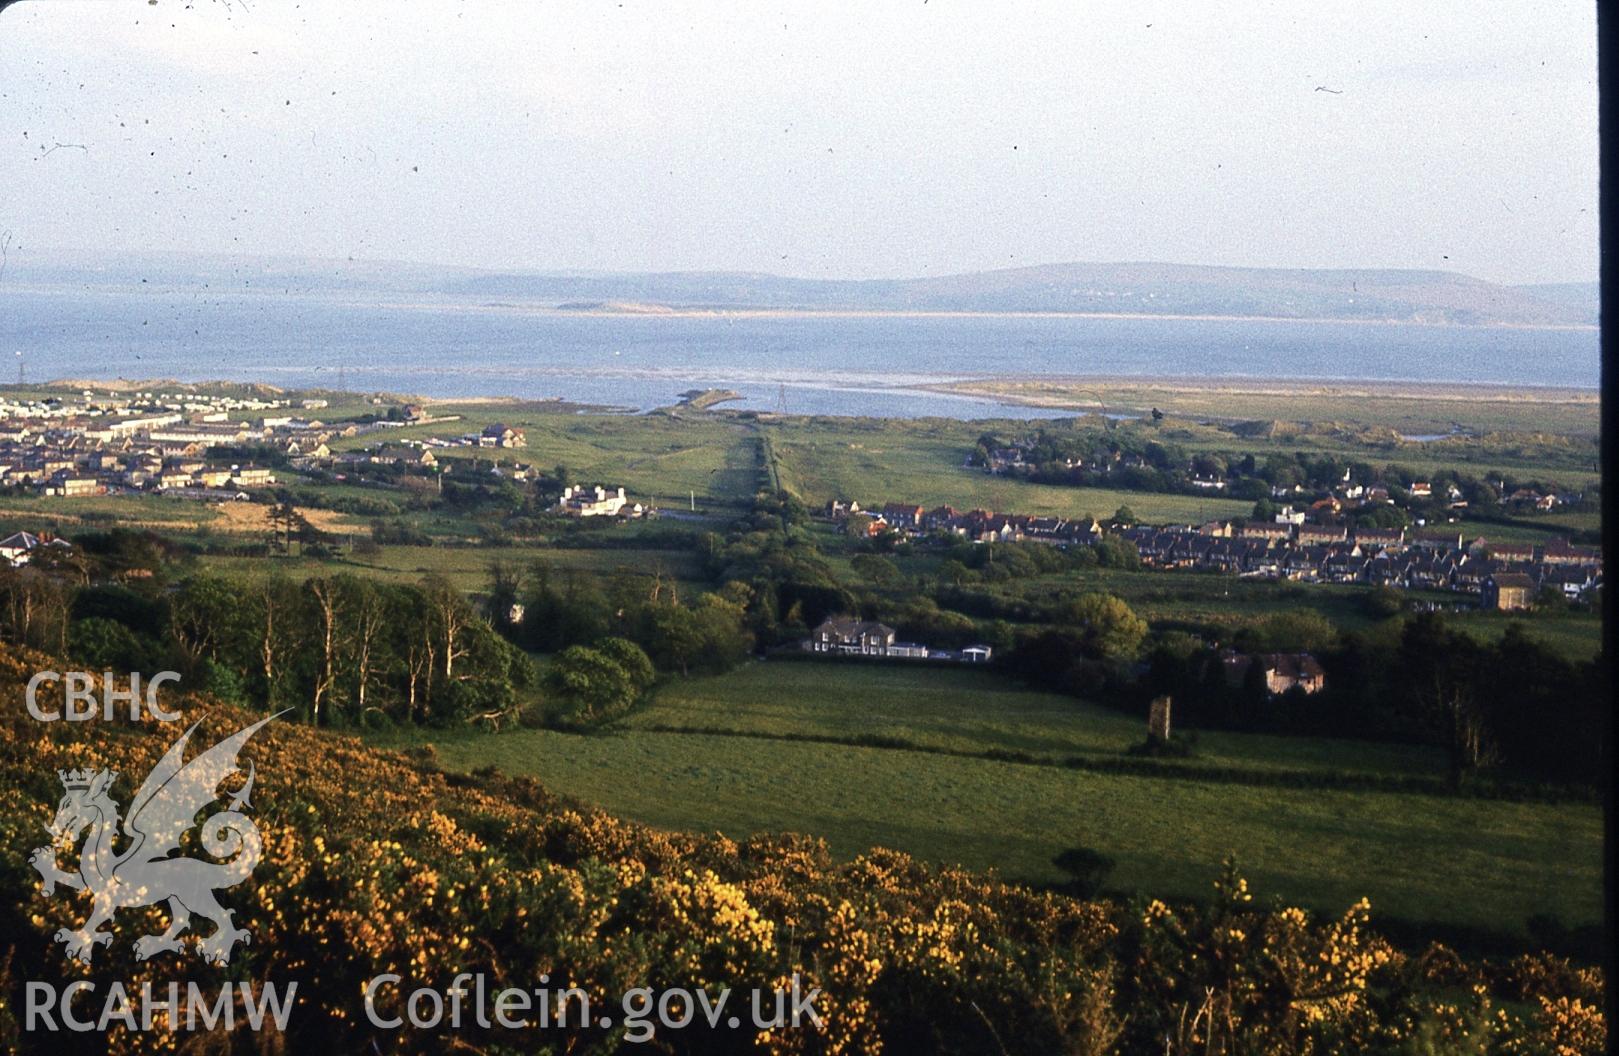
x,y
579,501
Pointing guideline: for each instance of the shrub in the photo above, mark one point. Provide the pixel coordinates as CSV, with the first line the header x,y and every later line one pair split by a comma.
x,y
1087,870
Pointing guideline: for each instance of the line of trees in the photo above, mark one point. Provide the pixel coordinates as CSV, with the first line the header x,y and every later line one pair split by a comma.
x,y
1511,706
338,649
548,613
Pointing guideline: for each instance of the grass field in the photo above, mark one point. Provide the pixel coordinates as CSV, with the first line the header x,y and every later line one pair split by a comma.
x,y
973,711
151,511
466,567
1459,862
657,457
921,462
1410,409
1576,636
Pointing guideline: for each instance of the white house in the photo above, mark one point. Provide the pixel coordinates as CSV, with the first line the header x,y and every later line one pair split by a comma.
x,y
595,502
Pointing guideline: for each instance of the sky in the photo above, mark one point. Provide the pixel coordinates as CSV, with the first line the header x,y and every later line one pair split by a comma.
x,y
826,140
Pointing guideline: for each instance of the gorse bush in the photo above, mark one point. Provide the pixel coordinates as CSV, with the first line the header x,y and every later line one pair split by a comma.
x,y
376,862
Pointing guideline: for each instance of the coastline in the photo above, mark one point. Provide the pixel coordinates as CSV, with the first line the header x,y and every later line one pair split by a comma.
x,y
672,312
1005,388
653,310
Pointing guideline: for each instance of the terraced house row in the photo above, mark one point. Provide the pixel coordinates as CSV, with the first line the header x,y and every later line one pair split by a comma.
x,y
979,526
1323,554
1501,575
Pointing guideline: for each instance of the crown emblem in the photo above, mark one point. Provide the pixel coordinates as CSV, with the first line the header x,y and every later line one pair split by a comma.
x,y
76,780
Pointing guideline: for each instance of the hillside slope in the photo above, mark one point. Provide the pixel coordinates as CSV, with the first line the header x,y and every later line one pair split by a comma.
x,y
1123,288
375,862
1130,288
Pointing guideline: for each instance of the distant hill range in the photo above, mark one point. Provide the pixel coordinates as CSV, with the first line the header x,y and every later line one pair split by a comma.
x,y
1126,289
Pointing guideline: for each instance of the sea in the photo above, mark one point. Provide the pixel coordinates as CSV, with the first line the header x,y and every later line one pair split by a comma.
x,y
874,365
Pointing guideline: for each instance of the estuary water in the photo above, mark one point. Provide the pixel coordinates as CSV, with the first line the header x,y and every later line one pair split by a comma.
x,y
865,365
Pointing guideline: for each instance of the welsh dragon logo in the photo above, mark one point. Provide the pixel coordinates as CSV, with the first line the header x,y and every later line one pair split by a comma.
x,y
146,871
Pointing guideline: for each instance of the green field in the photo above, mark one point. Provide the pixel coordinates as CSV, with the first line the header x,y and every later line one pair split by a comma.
x,y
661,458
467,566
1576,636
972,711
921,461
50,512
1407,408
1452,861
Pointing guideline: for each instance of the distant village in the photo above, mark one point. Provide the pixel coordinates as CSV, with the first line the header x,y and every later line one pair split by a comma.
x,y
181,444
1500,575
1092,462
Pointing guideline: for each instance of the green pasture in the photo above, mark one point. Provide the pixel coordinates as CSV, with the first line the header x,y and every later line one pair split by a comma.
x,y
1408,410
973,710
1449,861
32,513
660,458
466,567
921,462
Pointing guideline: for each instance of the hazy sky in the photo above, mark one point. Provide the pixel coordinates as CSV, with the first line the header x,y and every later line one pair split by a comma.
x,y
869,139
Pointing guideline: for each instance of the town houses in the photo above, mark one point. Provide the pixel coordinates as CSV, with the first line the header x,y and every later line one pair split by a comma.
x,y
1374,557
187,445
979,526
1319,485
182,443
1283,549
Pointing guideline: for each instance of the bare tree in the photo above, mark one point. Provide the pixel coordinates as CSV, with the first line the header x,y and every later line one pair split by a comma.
x,y
370,617
420,657
275,604
324,596
450,618
36,609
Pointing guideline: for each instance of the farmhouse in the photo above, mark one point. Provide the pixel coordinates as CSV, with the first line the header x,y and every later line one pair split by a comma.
x,y
502,435
844,634
1283,671
903,516
16,549
578,501
1508,591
